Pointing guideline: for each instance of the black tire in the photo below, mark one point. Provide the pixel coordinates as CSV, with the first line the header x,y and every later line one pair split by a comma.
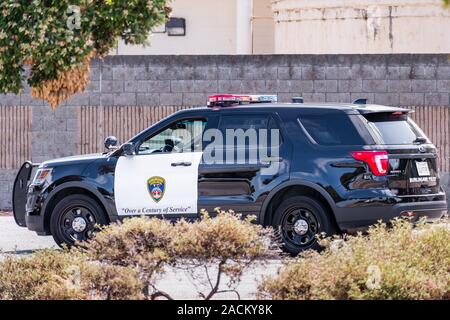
x,y
314,218
70,212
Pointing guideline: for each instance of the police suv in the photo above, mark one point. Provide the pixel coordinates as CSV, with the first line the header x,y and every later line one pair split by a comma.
x,y
302,168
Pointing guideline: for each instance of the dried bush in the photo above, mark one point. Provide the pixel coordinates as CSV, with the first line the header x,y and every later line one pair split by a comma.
x,y
402,262
123,260
56,275
67,84
110,282
226,245
139,243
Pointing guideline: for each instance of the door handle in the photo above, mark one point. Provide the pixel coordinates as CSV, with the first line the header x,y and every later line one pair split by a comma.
x,y
272,159
181,164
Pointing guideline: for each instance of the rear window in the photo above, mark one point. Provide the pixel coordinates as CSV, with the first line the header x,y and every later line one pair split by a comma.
x,y
331,130
394,128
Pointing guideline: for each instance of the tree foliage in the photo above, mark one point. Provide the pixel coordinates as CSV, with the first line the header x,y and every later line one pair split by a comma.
x,y
58,38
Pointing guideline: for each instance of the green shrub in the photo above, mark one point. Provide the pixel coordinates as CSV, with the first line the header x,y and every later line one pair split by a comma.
x,y
402,262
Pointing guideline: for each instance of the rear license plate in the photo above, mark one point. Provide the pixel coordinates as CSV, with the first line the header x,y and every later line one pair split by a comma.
x,y
422,169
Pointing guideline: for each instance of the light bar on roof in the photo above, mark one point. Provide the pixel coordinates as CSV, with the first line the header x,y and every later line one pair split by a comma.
x,y
227,100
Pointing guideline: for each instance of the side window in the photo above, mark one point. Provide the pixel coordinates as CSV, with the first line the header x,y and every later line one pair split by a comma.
x,y
274,133
331,130
242,131
181,136
243,122
244,139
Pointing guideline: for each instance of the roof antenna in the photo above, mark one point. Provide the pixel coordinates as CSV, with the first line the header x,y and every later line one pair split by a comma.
x,y
297,99
360,101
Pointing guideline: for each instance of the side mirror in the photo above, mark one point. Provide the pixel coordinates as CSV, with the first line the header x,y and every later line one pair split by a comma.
x,y
128,149
110,142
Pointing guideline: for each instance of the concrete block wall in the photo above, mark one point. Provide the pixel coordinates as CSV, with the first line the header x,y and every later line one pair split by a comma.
x,y
399,80
54,134
6,184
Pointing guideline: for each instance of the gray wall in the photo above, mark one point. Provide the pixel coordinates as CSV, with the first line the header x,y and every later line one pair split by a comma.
x,y
187,80
400,80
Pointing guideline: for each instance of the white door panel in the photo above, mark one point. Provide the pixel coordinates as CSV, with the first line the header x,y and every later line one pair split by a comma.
x,y
151,185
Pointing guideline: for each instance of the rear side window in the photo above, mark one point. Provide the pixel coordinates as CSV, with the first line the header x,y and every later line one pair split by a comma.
x,y
248,122
331,130
250,131
394,128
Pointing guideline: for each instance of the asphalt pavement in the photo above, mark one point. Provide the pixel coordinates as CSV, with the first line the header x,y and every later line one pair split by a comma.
x,y
17,240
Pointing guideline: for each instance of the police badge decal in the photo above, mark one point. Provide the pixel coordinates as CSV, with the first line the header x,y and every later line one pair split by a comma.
x,y
156,187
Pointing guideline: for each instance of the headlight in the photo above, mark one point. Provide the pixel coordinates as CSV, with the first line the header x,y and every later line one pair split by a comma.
x,y
41,176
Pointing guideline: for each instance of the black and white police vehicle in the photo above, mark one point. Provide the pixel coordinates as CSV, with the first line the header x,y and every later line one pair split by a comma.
x,y
301,168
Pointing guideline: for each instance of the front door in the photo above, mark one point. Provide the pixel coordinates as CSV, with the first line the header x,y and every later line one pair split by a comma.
x,y
161,179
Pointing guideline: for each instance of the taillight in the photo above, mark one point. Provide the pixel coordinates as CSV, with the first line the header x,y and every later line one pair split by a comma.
x,y
377,161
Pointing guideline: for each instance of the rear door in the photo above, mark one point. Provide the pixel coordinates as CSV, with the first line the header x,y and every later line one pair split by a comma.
x,y
249,161
412,157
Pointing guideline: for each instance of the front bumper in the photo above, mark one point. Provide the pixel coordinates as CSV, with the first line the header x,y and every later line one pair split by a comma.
x,y
361,217
34,216
36,223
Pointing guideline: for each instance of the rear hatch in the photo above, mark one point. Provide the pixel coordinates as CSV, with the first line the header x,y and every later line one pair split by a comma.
x,y
412,172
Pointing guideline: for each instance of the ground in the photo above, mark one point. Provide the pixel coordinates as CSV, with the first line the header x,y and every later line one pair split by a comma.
x,y
15,240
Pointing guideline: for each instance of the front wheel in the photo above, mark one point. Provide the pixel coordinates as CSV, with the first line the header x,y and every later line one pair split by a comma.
x,y
75,218
298,221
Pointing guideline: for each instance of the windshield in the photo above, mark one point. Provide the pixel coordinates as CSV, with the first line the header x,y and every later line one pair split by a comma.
x,y
394,128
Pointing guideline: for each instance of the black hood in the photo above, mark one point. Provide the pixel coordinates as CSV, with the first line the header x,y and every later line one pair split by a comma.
x,y
74,160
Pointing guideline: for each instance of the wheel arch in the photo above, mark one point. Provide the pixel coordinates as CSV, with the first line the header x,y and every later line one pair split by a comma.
x,y
71,188
289,188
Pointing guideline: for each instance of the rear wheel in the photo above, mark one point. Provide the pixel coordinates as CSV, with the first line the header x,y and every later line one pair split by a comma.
x,y
75,218
298,221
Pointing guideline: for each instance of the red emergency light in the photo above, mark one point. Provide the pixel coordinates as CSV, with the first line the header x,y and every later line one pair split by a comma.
x,y
228,100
